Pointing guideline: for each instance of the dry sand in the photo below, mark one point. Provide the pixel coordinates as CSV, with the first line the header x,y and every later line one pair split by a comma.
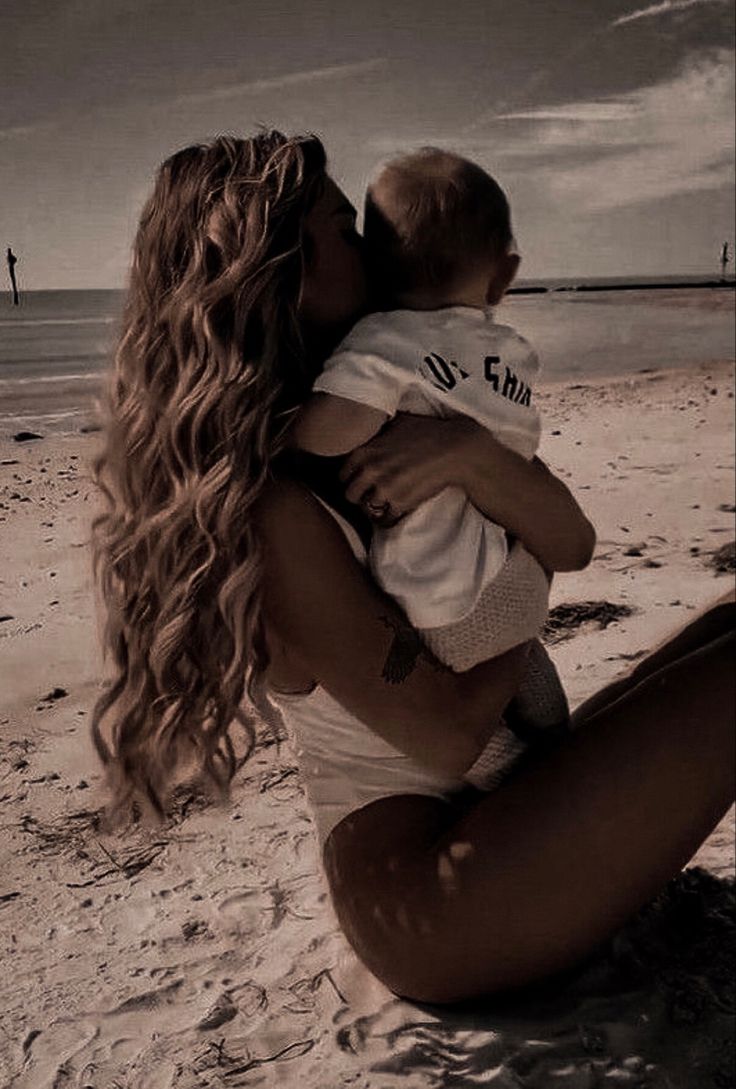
x,y
207,954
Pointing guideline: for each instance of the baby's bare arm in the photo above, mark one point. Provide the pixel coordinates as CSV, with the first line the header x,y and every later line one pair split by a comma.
x,y
329,425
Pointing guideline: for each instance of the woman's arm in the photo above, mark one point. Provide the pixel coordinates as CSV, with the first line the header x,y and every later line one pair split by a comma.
x,y
352,639
414,457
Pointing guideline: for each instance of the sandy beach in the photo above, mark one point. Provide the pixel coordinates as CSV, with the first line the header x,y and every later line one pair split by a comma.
x,y
207,955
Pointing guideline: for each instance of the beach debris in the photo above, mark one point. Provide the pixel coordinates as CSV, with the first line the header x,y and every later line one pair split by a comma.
x,y
24,436
291,1051
723,559
29,1040
281,782
564,619
305,991
56,694
195,928
623,657
72,834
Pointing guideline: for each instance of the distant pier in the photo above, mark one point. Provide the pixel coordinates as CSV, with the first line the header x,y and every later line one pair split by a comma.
x,y
648,285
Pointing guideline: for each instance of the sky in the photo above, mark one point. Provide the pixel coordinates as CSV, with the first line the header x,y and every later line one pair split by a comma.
x,y
610,125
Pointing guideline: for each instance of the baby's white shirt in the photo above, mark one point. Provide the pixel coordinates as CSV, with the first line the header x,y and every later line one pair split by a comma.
x,y
453,361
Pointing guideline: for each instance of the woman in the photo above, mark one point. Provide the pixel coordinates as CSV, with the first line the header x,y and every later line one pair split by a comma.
x,y
229,568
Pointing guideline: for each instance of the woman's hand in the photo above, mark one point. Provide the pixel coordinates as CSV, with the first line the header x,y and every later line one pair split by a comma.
x,y
412,459
415,457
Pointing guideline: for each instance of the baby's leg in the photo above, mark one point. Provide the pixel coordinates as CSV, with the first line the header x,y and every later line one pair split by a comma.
x,y
510,611
538,715
539,712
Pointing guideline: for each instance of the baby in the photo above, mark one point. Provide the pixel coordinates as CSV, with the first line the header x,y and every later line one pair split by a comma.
x,y
438,239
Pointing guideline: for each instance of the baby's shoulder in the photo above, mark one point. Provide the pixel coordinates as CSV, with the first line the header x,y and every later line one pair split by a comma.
x,y
506,338
506,332
384,330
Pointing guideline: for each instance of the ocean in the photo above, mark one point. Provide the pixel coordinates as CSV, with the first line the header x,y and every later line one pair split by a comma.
x,y
55,346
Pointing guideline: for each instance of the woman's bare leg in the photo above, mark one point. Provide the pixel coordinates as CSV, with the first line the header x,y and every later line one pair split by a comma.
x,y
552,862
715,620
573,848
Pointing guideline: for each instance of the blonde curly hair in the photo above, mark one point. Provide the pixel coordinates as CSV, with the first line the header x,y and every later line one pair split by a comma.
x,y
209,369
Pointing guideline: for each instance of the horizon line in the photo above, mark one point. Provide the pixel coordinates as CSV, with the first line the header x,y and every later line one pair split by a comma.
x,y
522,281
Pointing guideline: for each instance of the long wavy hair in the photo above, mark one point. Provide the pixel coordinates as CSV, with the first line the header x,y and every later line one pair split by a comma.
x,y
208,371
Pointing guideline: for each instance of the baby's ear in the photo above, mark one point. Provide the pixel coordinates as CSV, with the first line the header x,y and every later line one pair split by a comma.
x,y
512,262
504,271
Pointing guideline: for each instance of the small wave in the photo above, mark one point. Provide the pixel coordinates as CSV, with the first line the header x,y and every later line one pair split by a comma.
x,y
88,376
22,417
28,322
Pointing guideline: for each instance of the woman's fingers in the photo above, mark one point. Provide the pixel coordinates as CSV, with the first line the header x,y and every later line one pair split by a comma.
x,y
412,459
359,483
370,467
379,486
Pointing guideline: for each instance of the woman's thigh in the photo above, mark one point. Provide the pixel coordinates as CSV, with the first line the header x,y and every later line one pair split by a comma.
x,y
443,904
714,621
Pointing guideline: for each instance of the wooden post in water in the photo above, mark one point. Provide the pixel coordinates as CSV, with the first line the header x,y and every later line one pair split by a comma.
x,y
725,258
12,262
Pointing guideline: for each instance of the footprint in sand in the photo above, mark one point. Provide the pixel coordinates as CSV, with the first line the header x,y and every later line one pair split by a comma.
x,y
246,910
49,1055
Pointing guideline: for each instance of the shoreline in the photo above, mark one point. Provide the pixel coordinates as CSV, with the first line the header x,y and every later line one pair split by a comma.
x,y
49,378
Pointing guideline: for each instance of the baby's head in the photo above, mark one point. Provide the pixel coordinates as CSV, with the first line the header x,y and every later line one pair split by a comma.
x,y
438,232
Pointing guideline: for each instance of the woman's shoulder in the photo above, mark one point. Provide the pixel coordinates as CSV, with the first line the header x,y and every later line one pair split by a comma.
x,y
304,486
300,527
289,514
282,504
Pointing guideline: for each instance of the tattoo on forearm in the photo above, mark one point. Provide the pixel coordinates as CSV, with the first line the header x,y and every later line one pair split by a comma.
x,y
405,650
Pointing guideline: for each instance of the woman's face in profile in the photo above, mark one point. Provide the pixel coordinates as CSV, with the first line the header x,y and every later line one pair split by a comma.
x,y
334,290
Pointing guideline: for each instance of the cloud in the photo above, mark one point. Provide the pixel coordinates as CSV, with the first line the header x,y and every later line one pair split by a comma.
x,y
276,83
604,110
662,8
528,89
673,137
214,94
